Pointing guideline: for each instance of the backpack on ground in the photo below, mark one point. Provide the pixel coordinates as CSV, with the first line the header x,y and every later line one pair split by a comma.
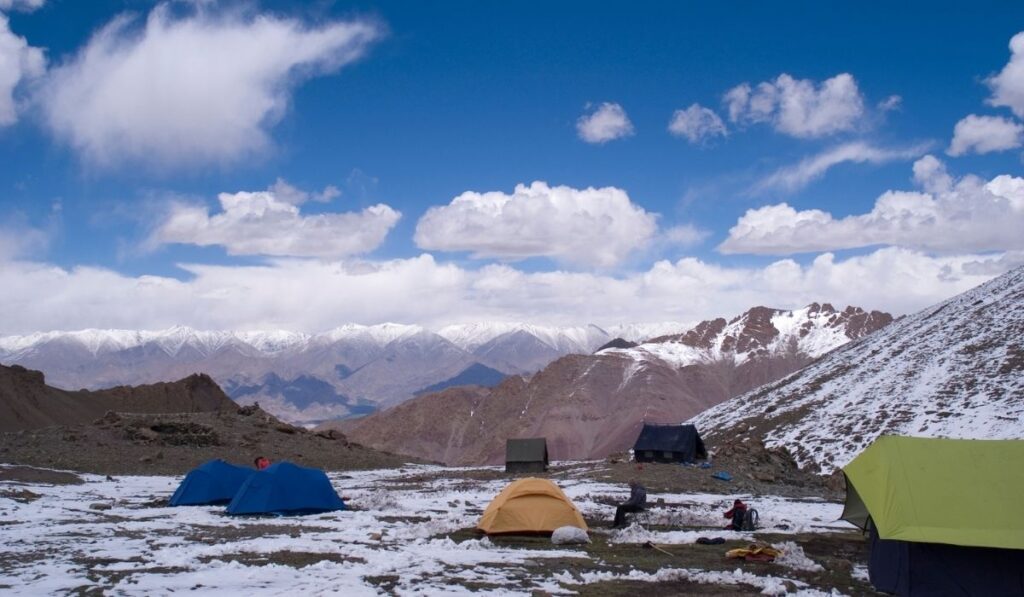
x,y
750,520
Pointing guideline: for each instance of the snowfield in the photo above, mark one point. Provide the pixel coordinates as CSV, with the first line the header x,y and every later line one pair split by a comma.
x,y
116,536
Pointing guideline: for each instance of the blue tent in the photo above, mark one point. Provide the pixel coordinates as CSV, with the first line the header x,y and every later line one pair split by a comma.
x,y
285,488
214,482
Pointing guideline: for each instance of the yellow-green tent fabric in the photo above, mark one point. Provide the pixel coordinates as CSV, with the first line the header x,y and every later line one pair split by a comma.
x,y
952,491
530,505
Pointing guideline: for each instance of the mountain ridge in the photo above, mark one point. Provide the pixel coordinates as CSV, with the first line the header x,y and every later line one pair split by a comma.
x,y
955,369
591,405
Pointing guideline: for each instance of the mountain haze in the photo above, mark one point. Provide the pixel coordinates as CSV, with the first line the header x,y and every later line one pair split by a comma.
x,y
347,371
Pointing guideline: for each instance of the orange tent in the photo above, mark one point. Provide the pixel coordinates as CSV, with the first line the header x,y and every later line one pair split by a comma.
x,y
530,505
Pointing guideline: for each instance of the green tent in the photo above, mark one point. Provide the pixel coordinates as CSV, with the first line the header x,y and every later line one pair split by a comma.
x,y
954,492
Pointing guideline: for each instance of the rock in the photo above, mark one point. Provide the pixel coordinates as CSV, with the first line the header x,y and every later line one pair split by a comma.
x,y
569,536
99,506
836,481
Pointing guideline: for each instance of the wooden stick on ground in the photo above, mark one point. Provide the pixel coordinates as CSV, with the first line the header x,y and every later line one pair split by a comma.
x,y
649,544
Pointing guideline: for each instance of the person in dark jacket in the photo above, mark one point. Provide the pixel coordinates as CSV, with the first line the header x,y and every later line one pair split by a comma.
x,y
637,502
737,514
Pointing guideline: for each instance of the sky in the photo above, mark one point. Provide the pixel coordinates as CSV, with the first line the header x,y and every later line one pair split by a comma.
x,y
300,166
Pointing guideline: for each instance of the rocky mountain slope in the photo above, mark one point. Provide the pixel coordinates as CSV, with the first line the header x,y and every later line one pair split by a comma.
x,y
591,405
953,370
174,443
350,370
26,402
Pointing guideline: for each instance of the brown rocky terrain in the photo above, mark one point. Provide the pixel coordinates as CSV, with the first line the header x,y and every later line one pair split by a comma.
x,y
163,428
174,443
586,406
26,402
589,406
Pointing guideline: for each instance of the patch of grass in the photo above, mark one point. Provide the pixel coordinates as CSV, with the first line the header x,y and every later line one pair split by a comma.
x,y
385,582
295,559
836,552
20,495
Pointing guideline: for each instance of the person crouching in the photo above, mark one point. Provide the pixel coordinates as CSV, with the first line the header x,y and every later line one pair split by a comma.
x,y
737,514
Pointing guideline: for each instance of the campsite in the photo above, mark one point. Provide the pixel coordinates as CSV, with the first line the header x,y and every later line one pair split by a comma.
x,y
533,298
406,531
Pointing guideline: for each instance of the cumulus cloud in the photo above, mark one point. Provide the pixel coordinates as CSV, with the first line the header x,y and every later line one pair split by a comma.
x,y
589,226
697,124
799,107
949,217
984,134
313,295
1008,85
190,90
606,123
264,223
19,62
797,176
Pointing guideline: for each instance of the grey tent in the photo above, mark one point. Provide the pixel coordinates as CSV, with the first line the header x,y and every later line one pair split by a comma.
x,y
526,455
669,443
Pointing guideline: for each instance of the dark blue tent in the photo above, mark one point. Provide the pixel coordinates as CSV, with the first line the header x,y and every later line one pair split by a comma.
x,y
285,488
669,443
909,568
214,482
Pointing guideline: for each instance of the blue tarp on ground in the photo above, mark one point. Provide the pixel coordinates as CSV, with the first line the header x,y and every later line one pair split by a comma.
x,y
285,488
214,482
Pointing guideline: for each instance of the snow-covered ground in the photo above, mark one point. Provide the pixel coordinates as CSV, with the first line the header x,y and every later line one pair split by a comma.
x,y
115,535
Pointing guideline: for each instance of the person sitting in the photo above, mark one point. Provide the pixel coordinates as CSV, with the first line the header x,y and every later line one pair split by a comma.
x,y
737,514
261,462
636,503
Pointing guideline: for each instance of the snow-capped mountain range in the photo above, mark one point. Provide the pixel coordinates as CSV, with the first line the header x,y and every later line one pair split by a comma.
x,y
953,370
811,331
594,404
309,377
466,336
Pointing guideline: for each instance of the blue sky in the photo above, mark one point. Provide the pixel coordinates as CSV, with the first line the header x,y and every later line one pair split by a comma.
x,y
372,152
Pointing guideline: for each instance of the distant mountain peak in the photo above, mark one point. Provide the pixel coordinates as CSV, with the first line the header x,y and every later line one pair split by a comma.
x,y
955,369
812,330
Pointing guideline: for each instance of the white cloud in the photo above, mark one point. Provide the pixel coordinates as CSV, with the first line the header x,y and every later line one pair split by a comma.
x,y
799,107
685,235
17,239
697,124
261,223
606,123
581,226
984,134
283,191
893,102
312,295
800,175
190,90
25,5
1008,86
19,62
968,215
